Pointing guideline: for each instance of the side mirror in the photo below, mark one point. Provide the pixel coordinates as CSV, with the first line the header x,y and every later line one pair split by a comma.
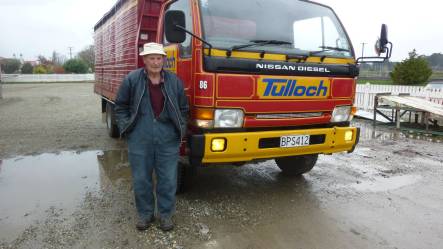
x,y
175,26
380,44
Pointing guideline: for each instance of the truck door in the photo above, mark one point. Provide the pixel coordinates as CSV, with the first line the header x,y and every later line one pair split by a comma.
x,y
179,56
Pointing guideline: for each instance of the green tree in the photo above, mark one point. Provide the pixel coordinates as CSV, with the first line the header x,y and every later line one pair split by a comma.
x,y
412,71
40,69
88,56
435,60
75,66
27,68
10,65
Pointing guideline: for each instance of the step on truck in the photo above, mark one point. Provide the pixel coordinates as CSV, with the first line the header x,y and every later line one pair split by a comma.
x,y
265,79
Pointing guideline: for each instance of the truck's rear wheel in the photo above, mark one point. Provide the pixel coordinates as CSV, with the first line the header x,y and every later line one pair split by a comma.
x,y
296,165
110,121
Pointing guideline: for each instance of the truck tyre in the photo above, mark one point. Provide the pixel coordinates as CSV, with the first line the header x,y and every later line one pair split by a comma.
x,y
185,176
296,165
110,121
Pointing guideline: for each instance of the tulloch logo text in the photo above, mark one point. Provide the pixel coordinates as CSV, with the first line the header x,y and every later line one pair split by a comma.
x,y
291,87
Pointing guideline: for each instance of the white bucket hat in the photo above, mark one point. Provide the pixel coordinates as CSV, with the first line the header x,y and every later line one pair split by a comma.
x,y
152,48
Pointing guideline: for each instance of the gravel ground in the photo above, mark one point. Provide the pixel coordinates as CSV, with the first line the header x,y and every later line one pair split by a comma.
x,y
387,194
37,118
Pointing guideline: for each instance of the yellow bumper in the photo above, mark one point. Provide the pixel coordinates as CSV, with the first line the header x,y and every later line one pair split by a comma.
x,y
247,146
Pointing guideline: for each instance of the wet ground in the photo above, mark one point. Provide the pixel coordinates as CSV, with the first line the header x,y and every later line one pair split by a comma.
x,y
387,194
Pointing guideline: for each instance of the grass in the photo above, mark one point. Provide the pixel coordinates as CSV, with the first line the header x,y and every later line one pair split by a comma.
x,y
437,75
388,81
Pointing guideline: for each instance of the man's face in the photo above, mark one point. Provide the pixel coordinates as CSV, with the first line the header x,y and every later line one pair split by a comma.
x,y
153,63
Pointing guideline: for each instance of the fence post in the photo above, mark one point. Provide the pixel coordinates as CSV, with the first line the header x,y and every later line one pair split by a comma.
x,y
428,94
366,99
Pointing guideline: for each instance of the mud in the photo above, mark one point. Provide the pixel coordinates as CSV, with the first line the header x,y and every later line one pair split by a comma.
x,y
65,184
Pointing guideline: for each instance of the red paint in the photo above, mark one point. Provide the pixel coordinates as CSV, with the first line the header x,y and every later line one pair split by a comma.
x,y
204,102
234,86
343,88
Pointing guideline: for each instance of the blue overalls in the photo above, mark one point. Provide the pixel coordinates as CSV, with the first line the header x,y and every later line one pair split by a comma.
x,y
153,145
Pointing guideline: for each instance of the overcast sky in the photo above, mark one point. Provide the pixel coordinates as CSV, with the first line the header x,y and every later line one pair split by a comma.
x,y
33,27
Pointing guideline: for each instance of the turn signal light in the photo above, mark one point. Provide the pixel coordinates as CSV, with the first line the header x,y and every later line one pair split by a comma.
x,y
204,113
354,110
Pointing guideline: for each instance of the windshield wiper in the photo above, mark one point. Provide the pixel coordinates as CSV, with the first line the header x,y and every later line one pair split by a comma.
x,y
328,48
259,43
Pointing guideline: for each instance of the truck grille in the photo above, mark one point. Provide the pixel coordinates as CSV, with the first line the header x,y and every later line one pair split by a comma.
x,y
274,142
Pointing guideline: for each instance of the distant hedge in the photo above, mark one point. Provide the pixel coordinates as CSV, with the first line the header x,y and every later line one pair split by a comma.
x,y
75,66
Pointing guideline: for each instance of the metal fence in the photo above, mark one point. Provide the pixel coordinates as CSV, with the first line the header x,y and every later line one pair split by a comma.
x,y
365,94
34,78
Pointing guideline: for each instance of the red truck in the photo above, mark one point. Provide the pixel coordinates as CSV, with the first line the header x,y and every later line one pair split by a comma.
x,y
265,79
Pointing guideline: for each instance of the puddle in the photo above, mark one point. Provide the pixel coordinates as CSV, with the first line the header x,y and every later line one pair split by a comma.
x,y
30,186
384,133
381,184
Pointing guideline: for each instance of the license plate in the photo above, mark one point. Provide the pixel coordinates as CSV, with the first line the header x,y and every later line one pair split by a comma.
x,y
294,141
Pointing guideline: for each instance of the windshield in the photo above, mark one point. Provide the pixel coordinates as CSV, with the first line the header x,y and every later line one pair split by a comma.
x,y
278,26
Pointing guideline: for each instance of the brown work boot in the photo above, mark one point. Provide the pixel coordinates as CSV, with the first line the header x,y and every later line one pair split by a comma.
x,y
166,224
143,223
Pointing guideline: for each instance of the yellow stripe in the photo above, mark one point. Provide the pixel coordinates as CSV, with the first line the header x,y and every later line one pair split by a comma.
x,y
276,57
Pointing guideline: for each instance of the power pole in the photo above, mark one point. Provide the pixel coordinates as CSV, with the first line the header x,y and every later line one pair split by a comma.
x,y
363,51
363,48
70,52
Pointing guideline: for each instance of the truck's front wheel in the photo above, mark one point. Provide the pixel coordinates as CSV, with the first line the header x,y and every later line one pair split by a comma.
x,y
296,165
110,121
185,176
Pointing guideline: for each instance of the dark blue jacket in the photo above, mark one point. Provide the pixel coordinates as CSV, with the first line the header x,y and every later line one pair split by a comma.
x,y
131,92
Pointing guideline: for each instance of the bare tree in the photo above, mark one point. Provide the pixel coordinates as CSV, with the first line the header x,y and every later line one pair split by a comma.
x,y
43,61
57,59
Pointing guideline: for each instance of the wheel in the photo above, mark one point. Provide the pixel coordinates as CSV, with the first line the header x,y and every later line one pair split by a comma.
x,y
110,121
296,165
185,176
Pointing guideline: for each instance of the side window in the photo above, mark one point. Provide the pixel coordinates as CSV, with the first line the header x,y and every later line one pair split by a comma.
x,y
186,46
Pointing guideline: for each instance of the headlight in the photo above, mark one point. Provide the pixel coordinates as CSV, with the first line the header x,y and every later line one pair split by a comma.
x,y
228,118
341,114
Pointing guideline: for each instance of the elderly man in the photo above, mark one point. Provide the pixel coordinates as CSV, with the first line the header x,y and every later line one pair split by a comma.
x,y
151,111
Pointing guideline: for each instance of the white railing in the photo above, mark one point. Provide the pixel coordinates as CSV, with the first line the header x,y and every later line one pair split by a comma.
x,y
364,98
31,78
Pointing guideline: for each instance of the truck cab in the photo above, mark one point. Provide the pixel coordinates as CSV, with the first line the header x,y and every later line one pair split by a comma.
x,y
264,79
270,79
